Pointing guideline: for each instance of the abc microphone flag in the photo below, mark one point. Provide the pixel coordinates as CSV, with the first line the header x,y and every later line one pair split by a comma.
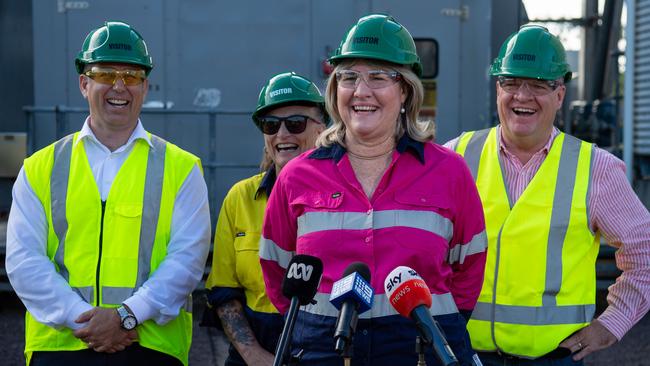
x,y
300,284
302,278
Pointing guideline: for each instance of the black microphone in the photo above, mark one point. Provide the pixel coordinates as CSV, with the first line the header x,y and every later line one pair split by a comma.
x,y
352,295
410,296
300,285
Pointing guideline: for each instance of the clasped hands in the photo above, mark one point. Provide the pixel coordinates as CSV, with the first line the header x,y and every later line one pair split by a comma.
x,y
103,332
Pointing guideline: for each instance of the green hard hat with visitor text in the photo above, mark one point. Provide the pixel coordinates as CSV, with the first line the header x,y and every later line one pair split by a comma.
x,y
114,42
288,88
379,37
532,52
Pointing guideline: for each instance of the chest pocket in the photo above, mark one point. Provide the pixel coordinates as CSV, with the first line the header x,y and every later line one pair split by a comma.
x,y
425,211
123,226
318,211
247,260
121,242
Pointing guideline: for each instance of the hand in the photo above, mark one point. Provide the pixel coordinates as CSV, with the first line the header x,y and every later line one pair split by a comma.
x,y
592,338
103,331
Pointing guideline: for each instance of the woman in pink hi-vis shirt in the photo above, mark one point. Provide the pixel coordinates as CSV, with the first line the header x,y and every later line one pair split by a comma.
x,y
377,191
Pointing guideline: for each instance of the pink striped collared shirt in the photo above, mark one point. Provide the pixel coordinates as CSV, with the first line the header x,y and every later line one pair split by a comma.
x,y
617,213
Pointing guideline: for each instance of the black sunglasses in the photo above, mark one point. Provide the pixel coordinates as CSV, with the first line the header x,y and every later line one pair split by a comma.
x,y
270,125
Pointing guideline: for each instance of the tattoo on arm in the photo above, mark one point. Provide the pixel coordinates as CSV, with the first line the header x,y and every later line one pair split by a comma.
x,y
235,323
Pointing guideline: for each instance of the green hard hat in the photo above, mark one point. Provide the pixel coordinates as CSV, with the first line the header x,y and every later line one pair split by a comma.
x,y
114,42
379,37
532,52
288,88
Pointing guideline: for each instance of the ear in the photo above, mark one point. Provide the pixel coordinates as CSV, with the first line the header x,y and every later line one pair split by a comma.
x,y
402,97
560,95
145,85
83,85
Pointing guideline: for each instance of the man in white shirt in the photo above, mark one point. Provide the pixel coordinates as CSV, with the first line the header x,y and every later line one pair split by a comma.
x,y
109,227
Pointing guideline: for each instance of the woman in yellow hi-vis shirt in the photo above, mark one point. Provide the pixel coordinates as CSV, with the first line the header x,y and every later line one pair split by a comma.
x,y
291,114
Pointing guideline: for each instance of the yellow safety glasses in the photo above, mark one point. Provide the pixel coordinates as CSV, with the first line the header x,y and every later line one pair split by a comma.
x,y
108,76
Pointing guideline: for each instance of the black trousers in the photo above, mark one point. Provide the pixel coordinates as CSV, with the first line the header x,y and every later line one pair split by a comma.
x,y
134,355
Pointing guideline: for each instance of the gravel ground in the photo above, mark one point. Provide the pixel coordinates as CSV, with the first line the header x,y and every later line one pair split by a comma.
x,y
209,346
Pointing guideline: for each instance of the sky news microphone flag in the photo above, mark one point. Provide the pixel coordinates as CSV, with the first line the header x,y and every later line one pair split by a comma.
x,y
410,296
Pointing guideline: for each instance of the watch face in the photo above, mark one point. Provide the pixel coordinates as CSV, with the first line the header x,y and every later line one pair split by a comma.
x,y
129,322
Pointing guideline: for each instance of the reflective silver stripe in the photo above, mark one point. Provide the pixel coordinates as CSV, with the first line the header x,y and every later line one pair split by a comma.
x,y
494,289
423,220
534,315
591,172
473,150
115,295
86,293
150,214
311,222
478,244
564,186
150,207
440,305
272,252
58,195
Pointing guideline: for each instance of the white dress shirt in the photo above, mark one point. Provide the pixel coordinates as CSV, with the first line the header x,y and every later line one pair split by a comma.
x,y
47,295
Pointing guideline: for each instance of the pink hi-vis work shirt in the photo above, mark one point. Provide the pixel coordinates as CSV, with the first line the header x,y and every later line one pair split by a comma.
x,y
425,214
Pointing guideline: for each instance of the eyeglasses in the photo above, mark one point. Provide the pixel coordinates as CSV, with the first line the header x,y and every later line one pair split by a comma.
x,y
270,125
375,79
109,76
536,87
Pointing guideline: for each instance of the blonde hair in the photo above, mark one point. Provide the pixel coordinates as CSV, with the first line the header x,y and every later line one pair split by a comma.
x,y
266,162
418,130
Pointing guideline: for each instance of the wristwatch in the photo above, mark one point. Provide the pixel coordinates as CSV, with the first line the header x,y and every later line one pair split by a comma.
x,y
127,320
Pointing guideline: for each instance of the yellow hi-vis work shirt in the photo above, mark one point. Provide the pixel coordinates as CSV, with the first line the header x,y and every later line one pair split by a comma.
x,y
106,251
540,281
235,259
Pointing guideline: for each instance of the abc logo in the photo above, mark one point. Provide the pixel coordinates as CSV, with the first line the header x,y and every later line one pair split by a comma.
x,y
300,271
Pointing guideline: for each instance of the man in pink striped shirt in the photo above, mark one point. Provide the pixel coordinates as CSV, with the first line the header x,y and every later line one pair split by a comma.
x,y
548,198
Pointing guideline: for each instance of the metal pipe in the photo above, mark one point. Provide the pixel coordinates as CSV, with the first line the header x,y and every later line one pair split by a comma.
x,y
66,109
628,105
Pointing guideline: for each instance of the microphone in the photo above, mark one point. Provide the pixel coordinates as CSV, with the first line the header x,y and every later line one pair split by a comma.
x,y
300,284
352,295
411,298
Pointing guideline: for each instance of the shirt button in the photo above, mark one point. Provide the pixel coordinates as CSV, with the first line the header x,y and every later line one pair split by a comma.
x,y
367,239
369,212
365,332
423,200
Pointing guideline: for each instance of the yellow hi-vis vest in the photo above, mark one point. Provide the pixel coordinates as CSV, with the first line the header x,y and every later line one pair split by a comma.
x,y
107,253
540,281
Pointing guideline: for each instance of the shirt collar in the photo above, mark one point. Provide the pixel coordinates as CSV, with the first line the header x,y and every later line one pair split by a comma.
x,y
546,148
336,151
138,133
267,183
415,147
